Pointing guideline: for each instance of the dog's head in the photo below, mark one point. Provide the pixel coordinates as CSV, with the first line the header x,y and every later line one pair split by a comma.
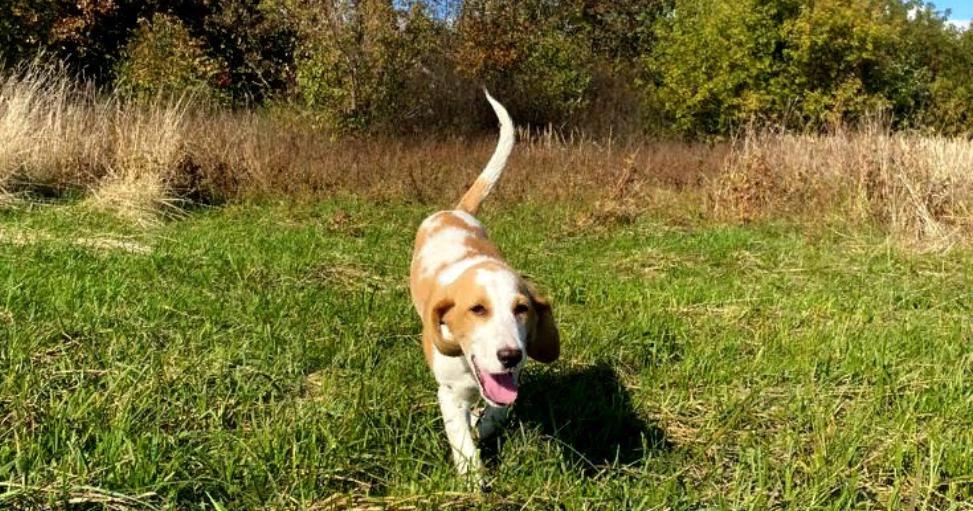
x,y
493,317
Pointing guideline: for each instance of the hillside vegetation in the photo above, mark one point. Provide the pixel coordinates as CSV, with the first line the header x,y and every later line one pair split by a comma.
x,y
683,67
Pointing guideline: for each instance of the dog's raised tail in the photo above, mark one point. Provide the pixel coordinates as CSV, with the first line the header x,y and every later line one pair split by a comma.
x,y
491,173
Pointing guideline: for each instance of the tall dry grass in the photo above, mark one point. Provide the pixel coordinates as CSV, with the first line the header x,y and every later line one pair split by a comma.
x,y
136,158
142,159
919,188
57,135
138,171
51,131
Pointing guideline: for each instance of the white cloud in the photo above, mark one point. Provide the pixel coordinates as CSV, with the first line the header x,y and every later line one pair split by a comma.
x,y
960,24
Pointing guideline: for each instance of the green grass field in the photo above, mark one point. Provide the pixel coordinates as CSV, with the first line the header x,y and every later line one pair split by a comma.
x,y
267,357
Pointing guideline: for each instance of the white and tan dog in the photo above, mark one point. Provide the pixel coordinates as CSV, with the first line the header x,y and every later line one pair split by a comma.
x,y
479,316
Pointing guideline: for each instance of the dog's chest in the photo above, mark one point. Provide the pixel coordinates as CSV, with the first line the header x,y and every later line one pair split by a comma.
x,y
456,374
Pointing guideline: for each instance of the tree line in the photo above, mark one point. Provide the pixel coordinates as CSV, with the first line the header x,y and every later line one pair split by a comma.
x,y
683,67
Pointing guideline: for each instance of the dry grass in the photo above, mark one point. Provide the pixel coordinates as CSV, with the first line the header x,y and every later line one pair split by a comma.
x,y
97,242
51,132
149,144
136,157
141,160
919,188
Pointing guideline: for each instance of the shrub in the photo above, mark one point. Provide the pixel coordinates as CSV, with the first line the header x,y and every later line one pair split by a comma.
x,y
345,65
531,54
553,81
842,61
949,108
163,58
717,65
24,28
252,39
714,63
356,62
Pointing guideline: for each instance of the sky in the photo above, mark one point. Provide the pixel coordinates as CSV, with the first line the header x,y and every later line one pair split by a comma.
x,y
962,10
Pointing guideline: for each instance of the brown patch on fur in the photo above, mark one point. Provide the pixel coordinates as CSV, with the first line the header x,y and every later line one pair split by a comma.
x,y
473,197
450,304
431,334
476,244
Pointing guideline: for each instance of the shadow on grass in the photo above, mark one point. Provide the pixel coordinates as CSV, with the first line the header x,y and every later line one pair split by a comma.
x,y
45,193
590,413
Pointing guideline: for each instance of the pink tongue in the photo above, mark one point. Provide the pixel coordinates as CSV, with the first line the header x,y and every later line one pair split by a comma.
x,y
500,388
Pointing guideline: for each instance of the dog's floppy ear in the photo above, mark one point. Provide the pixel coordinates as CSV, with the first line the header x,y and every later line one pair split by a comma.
x,y
544,344
432,325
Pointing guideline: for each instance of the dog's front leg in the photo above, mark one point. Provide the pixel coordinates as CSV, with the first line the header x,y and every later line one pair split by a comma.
x,y
456,416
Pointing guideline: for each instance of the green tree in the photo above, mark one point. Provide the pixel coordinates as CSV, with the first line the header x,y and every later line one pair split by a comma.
x,y
843,60
797,63
715,62
945,55
164,58
950,109
356,58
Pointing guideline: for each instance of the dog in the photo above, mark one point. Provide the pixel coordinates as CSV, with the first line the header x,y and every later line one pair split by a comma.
x,y
479,316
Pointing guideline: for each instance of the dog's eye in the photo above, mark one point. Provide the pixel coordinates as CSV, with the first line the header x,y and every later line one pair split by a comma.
x,y
479,310
521,309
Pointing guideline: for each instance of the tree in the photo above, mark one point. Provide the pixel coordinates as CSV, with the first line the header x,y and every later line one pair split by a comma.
x,y
715,62
843,61
527,53
164,58
357,57
25,28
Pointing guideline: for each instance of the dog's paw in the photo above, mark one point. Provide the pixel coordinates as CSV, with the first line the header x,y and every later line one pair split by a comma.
x,y
477,481
483,485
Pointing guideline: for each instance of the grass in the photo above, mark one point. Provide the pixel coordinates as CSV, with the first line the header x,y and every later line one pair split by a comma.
x,y
266,356
145,160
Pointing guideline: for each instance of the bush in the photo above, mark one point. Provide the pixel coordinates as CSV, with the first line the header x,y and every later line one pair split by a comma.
x,y
717,65
253,39
356,62
163,58
949,109
714,63
842,61
553,81
24,27
531,55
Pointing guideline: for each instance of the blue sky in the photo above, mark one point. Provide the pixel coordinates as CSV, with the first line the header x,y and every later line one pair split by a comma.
x,y
962,9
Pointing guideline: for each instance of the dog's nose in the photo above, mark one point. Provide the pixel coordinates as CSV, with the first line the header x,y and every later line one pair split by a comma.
x,y
510,357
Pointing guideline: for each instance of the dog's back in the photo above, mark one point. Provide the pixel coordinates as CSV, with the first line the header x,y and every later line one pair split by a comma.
x,y
480,318
450,242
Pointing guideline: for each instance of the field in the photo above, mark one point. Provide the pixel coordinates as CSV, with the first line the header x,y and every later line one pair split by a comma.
x,y
265,355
